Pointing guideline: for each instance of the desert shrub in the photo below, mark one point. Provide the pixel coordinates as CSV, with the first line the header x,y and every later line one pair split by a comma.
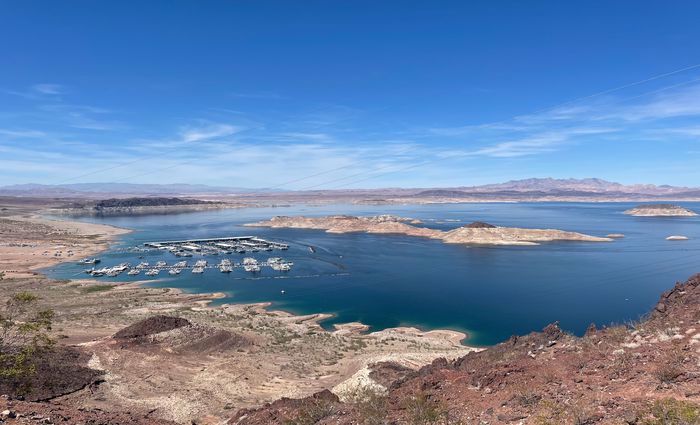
x,y
422,411
673,412
616,334
527,396
370,404
313,412
96,288
622,364
670,367
549,413
24,334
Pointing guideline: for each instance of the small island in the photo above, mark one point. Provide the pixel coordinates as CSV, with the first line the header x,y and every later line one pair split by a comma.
x,y
476,233
660,210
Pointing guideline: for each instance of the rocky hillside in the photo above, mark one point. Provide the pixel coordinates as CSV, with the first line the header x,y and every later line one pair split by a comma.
x,y
642,373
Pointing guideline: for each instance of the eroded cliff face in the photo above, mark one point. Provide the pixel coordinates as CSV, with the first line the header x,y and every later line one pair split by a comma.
x,y
644,373
477,233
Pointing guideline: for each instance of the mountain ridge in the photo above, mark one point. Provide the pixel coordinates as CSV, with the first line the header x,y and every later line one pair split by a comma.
x,y
541,186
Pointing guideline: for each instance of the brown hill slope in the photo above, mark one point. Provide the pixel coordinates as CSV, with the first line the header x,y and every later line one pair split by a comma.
x,y
646,373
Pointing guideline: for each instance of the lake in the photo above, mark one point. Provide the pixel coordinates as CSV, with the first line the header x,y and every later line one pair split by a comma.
x,y
385,280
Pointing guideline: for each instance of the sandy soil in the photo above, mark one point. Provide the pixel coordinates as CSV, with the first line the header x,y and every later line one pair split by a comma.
x,y
192,376
29,243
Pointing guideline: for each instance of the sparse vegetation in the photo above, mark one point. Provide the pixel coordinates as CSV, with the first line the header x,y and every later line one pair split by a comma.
x,y
24,333
422,411
96,288
673,412
670,367
370,404
313,412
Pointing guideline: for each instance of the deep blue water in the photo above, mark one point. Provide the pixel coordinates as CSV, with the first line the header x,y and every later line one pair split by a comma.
x,y
386,281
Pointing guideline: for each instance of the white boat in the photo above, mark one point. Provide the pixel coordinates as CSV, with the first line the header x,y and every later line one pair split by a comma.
x,y
180,264
225,266
90,261
198,270
134,272
142,265
201,263
121,267
96,273
279,264
153,272
174,272
253,268
250,261
161,264
99,272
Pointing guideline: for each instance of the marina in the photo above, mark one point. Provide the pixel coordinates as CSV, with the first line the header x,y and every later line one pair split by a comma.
x,y
216,246
200,266
201,248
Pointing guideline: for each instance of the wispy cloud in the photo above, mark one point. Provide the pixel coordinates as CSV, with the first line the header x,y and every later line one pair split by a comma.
x,y
211,131
85,117
38,91
258,95
22,133
50,89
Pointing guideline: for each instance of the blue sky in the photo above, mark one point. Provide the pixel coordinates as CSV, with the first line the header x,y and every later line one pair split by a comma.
x,y
340,94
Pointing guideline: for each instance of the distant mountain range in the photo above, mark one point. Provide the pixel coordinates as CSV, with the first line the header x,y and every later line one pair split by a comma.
x,y
534,187
96,189
591,185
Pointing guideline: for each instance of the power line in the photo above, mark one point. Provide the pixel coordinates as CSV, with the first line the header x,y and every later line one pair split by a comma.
x,y
461,154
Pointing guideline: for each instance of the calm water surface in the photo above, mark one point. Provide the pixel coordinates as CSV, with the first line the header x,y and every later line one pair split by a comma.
x,y
386,281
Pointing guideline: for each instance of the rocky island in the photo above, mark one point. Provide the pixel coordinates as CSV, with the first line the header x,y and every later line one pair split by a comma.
x,y
477,233
660,210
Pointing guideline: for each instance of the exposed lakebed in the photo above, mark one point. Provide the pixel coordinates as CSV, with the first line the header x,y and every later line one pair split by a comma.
x,y
392,280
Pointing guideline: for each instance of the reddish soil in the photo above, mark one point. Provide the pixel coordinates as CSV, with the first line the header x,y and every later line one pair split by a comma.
x,y
152,325
24,412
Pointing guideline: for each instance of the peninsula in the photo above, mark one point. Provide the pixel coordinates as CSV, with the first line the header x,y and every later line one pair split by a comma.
x,y
477,233
660,210
136,206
